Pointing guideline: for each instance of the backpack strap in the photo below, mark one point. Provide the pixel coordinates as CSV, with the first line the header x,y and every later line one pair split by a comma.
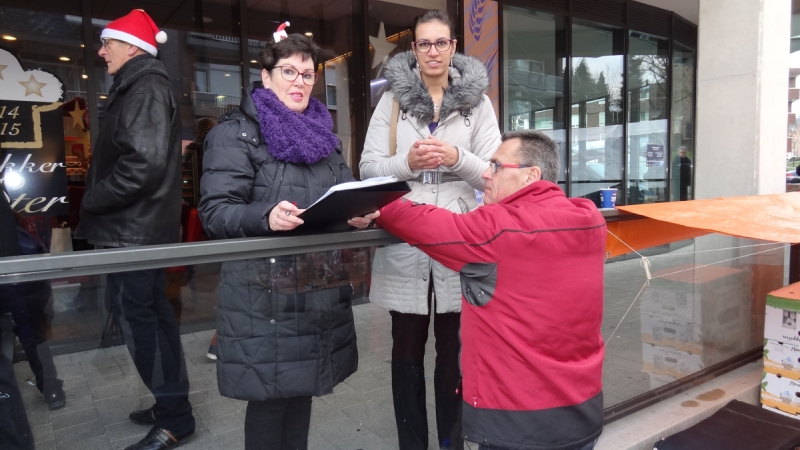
x,y
393,128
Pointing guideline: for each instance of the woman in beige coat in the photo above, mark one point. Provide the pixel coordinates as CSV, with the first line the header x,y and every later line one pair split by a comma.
x,y
446,132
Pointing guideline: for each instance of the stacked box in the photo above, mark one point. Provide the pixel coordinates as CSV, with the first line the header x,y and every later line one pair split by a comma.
x,y
781,394
692,317
780,387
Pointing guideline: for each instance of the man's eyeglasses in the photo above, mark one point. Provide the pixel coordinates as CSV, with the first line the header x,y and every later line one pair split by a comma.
x,y
107,42
493,165
289,73
441,45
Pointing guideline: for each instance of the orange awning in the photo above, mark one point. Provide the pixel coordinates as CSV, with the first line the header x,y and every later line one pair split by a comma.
x,y
773,217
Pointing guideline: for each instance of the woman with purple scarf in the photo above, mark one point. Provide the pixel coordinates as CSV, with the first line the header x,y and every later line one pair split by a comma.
x,y
285,324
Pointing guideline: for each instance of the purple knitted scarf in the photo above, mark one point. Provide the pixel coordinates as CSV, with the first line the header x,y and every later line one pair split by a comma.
x,y
303,138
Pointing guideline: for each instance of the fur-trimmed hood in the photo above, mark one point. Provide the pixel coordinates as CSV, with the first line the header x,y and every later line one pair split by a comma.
x,y
468,82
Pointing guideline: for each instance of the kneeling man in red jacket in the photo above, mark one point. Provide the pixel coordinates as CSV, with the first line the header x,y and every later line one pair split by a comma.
x,y
531,265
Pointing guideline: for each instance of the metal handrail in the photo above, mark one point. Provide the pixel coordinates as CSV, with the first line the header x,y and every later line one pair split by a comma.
x,y
111,260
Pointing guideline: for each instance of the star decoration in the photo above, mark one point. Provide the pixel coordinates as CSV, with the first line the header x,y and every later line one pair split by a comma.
x,y
77,116
381,46
33,87
1,71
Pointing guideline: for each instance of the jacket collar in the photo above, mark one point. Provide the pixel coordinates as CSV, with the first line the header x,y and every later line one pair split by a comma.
x,y
540,189
132,71
468,83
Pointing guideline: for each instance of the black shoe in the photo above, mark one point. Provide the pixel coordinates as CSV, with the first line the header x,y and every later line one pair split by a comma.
x,y
143,416
160,439
55,396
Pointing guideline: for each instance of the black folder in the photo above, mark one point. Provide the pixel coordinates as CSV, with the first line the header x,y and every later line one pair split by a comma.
x,y
332,213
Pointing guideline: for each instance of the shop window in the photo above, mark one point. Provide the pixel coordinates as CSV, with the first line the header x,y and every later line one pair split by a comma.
x,y
648,62
534,49
682,123
596,109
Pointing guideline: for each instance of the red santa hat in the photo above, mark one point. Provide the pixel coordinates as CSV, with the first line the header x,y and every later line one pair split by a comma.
x,y
137,28
280,34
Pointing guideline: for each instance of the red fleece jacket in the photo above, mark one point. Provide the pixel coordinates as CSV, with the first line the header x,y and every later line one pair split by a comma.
x,y
532,270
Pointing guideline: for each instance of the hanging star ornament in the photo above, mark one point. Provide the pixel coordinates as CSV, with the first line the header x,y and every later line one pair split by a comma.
x,y
381,46
2,67
77,116
33,87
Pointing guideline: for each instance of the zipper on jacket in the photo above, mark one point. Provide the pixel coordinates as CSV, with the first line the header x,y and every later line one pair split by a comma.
x,y
332,173
474,402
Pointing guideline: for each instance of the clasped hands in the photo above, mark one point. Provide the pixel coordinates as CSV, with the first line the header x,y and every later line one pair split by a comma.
x,y
283,217
431,153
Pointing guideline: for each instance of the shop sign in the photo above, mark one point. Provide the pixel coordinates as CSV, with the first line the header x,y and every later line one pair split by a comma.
x,y
33,169
655,155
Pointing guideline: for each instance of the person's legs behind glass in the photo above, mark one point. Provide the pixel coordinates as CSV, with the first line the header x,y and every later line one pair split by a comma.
x,y
409,335
277,424
148,325
446,380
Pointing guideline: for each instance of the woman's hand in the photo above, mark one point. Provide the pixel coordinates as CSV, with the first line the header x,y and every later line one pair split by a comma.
x,y
363,222
446,153
420,157
283,217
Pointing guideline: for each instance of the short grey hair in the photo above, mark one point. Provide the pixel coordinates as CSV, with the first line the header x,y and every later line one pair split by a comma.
x,y
536,149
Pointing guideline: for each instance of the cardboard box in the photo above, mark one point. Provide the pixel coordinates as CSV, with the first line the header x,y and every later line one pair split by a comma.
x,y
780,322
706,294
692,337
780,393
782,359
664,360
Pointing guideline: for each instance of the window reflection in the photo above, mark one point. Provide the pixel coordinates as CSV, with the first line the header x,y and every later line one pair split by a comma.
x,y
533,84
596,109
682,123
648,60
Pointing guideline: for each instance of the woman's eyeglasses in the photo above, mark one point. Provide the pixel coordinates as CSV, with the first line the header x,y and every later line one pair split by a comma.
x,y
289,73
493,165
441,45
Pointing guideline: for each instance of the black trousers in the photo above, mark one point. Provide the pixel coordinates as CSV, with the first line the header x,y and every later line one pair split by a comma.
x,y
277,424
15,432
147,321
27,303
409,335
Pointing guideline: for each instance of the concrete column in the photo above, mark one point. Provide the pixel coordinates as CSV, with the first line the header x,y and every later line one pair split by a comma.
x,y
742,100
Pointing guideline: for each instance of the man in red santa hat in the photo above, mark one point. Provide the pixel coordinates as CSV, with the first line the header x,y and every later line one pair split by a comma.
x,y
133,198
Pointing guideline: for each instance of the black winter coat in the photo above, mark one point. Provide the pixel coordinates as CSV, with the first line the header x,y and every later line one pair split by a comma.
x,y
133,189
285,324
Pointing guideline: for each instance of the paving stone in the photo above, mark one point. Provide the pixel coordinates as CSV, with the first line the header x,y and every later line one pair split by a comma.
x,y
79,432
75,418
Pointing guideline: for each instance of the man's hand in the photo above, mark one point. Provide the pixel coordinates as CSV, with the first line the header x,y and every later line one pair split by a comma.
x,y
364,222
283,217
421,157
447,154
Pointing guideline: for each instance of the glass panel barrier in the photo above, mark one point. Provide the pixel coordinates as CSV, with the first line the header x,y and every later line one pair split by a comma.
x,y
703,306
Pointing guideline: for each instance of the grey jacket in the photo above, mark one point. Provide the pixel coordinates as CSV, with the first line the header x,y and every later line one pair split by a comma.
x,y
466,121
285,324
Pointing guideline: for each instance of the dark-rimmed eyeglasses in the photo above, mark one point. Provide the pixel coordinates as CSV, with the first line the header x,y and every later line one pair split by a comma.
x,y
289,73
493,165
441,45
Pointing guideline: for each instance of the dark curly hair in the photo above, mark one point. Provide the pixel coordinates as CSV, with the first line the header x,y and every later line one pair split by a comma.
x,y
295,44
